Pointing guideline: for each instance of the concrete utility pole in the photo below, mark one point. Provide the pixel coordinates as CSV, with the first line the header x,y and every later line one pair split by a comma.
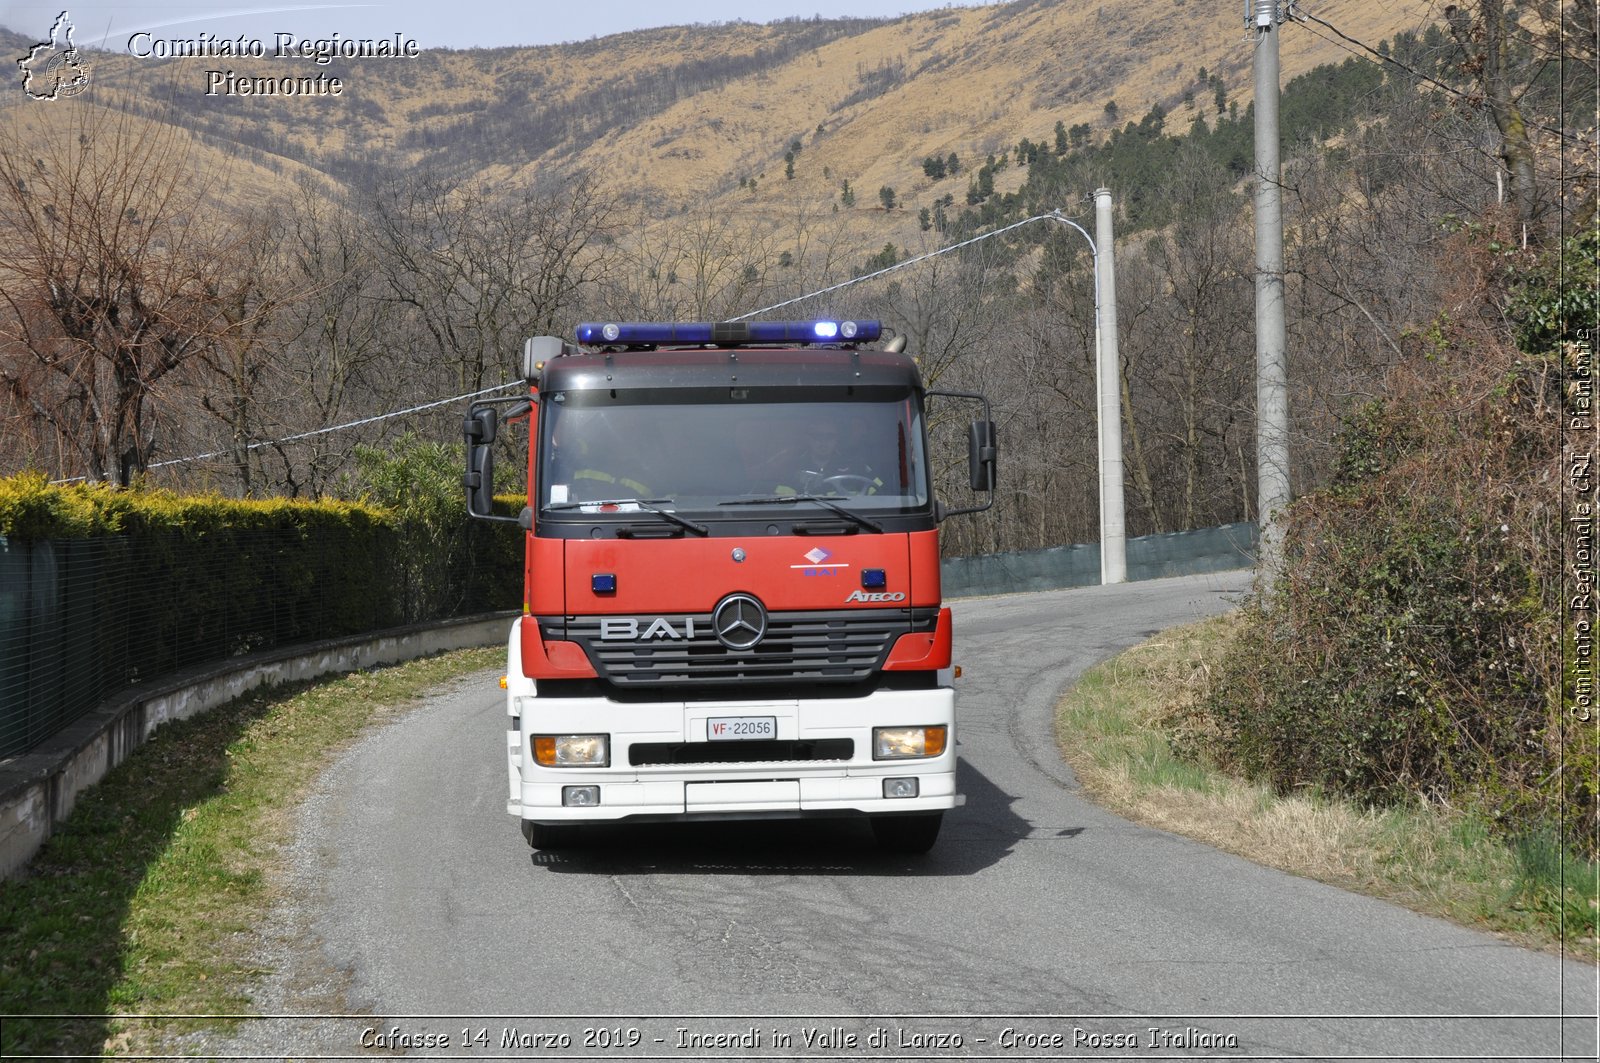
x,y
1272,388
1108,380
1113,527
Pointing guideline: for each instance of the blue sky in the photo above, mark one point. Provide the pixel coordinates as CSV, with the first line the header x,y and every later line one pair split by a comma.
x,y
462,24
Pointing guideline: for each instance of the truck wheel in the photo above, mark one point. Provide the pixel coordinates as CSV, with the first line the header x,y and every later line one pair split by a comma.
x,y
907,834
548,836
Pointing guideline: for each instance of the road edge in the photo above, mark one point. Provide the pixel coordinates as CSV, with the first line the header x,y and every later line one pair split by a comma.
x,y
38,789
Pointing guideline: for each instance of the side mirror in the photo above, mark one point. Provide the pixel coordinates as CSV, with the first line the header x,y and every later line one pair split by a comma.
x,y
982,455
481,426
479,429
983,450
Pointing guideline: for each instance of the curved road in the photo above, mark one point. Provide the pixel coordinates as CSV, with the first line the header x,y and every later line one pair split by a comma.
x,y
1039,926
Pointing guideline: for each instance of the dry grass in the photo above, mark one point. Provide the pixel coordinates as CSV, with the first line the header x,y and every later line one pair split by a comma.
x,y
1117,728
148,899
223,178
1298,835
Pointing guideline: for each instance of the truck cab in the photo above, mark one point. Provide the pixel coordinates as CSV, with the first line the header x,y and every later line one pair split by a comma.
x,y
732,600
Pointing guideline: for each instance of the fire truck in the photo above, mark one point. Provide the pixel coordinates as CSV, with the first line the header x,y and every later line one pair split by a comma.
x,y
731,600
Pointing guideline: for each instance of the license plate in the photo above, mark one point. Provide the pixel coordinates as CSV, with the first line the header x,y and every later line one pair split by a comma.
x,y
740,728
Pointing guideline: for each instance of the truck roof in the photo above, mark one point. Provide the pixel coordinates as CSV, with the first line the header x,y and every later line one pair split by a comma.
x,y
698,367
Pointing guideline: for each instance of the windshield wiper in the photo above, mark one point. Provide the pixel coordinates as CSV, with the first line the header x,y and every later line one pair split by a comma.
x,y
828,501
646,504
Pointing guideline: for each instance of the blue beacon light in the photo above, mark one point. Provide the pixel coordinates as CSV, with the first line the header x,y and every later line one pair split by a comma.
x,y
647,333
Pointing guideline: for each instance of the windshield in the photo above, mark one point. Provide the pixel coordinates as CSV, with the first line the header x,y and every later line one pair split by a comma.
x,y
701,450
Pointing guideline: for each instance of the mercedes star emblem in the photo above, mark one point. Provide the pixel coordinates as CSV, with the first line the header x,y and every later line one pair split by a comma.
x,y
739,621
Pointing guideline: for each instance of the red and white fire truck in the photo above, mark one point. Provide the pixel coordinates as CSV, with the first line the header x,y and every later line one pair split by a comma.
x,y
732,604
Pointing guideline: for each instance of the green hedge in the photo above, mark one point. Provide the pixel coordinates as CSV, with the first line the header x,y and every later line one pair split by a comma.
x,y
101,587
269,571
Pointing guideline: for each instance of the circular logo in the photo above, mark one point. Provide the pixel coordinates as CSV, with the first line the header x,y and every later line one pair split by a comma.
x,y
739,621
66,74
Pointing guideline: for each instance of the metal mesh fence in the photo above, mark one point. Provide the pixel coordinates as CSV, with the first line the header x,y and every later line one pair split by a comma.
x,y
81,620
1149,557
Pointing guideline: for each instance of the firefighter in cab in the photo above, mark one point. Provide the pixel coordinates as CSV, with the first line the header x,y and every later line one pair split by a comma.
x,y
833,458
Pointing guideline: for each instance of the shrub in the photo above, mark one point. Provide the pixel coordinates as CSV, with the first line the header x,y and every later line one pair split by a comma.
x,y
448,563
1411,645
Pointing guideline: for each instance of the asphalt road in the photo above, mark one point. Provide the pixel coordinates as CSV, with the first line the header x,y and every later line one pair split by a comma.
x,y
1039,926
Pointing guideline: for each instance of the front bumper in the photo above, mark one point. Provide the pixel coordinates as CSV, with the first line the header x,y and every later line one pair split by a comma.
x,y
852,784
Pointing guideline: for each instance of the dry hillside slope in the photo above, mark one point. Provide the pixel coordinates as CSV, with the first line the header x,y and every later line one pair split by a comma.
x,y
970,81
700,117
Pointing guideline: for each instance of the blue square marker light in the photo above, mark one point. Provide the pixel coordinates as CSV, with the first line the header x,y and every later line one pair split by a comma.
x,y
874,579
603,583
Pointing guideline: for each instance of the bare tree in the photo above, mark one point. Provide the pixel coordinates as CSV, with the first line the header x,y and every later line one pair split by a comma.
x,y
1203,393
241,370
341,342
701,267
946,306
481,266
117,276
1526,61
1485,38
1051,444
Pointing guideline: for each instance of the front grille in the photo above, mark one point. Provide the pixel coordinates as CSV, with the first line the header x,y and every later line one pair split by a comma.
x,y
833,647
752,752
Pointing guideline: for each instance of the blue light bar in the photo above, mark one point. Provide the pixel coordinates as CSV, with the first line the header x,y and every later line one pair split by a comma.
x,y
728,333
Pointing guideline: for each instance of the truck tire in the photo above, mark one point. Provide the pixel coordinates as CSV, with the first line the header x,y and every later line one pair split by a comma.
x,y
914,833
548,836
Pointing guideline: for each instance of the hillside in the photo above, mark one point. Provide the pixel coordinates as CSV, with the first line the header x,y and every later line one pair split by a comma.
x,y
869,108
701,117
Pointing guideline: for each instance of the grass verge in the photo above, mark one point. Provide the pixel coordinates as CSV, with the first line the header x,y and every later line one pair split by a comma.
x,y
144,901
1116,729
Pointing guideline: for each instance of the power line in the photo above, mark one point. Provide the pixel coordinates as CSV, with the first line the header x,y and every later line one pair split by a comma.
x,y
338,427
1371,54
314,432
1299,13
898,265
1056,215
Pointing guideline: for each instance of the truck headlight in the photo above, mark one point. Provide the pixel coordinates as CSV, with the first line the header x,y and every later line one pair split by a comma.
x,y
905,743
572,751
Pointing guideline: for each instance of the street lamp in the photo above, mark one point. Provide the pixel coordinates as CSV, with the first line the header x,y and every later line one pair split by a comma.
x,y
1108,405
